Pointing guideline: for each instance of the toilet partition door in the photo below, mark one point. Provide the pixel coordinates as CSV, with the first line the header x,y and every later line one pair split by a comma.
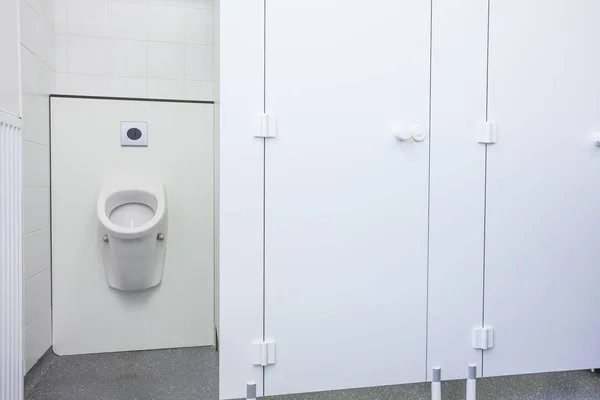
x,y
346,202
542,272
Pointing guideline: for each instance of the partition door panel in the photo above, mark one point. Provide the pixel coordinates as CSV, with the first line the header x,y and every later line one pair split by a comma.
x,y
543,191
346,220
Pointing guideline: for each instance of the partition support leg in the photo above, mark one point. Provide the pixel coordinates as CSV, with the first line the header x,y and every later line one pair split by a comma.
x,y
436,384
471,383
251,390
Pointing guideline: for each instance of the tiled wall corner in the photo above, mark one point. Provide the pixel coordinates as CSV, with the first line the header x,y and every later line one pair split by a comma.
x,y
38,70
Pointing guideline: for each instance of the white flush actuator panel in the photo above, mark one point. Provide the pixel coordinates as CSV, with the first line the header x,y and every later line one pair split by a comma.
x,y
134,134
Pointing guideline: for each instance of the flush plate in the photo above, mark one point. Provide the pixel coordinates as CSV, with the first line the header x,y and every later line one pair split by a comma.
x,y
134,134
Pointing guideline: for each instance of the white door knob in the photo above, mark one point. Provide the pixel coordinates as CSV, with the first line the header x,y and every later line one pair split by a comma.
x,y
403,132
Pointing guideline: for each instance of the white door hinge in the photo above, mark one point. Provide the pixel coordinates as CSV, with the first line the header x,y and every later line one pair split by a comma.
x,y
487,132
267,126
263,353
483,338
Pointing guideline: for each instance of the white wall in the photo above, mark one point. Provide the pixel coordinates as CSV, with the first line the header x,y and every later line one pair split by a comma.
x,y
38,75
135,48
9,66
89,316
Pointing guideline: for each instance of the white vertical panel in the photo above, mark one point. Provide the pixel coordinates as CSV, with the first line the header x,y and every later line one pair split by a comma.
x,y
11,260
241,194
543,187
458,90
346,202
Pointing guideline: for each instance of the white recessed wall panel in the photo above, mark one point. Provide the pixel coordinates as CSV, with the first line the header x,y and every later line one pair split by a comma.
x,y
457,185
89,316
541,275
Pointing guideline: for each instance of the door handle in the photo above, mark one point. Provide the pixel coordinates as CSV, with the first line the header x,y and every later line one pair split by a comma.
x,y
403,132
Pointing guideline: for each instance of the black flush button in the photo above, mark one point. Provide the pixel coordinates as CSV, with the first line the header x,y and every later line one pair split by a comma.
x,y
134,133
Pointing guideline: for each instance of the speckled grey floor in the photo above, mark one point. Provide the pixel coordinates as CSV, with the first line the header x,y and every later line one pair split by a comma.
x,y
191,374
182,374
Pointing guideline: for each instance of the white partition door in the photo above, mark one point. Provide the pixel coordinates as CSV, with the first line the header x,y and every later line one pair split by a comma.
x,y
346,202
542,269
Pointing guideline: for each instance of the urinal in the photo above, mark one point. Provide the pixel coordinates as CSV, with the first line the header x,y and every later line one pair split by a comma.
x,y
133,218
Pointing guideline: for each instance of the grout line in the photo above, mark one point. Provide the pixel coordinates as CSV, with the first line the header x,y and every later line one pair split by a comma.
x,y
49,309
36,230
49,23
37,274
34,142
135,40
38,57
126,76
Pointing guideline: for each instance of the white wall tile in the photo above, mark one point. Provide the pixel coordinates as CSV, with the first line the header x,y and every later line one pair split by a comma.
x,y
61,53
45,8
80,84
127,20
36,208
36,119
198,90
37,77
37,296
199,3
31,26
36,161
36,252
38,339
36,5
166,88
198,26
128,58
166,24
166,60
168,2
126,87
62,84
198,62
60,16
88,55
87,17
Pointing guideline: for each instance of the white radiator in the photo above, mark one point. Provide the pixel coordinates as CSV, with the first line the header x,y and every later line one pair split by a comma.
x,y
11,259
